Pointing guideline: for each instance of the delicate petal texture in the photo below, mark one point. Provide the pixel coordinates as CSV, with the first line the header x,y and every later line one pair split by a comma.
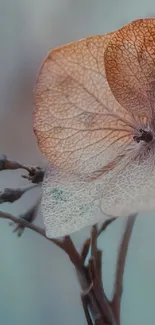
x,y
130,67
93,98
71,203
78,123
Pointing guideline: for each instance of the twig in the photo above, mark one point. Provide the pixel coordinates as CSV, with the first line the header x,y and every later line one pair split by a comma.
x,y
85,250
98,310
95,278
67,245
8,164
11,195
22,222
122,254
99,265
94,267
86,246
85,305
35,176
105,225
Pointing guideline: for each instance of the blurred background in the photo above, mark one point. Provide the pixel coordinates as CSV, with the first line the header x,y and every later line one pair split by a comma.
x,y
37,282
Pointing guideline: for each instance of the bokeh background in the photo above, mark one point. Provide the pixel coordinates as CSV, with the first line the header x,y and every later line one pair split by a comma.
x,y
38,284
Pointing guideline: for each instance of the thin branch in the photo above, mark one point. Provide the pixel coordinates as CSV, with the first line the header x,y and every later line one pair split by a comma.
x,y
85,305
121,260
69,248
105,225
25,220
36,174
95,278
93,243
85,250
11,195
86,246
6,164
99,266
95,302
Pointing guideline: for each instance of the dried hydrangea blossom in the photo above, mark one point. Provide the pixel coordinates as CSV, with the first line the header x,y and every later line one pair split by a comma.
x,y
94,119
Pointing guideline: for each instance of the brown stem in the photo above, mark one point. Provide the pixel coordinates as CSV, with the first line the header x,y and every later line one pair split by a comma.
x,y
99,266
85,305
95,303
11,195
67,245
6,164
121,260
86,246
97,283
95,273
105,225
85,250
36,174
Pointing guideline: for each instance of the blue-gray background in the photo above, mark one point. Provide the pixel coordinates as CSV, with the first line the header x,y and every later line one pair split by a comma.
x,y
37,282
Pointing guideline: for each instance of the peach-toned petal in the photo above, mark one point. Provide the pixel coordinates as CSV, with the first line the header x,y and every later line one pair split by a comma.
x,y
130,67
79,125
94,99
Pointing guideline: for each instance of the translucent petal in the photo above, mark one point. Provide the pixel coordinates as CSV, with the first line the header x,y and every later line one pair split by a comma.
x,y
78,123
91,98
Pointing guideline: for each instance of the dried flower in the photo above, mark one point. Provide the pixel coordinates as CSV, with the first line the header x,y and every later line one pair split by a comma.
x,y
94,120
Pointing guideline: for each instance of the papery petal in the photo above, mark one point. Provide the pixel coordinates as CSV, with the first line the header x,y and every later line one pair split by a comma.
x,y
91,96
130,67
78,123
69,203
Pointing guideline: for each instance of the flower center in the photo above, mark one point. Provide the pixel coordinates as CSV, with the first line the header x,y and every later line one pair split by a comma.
x,y
144,135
